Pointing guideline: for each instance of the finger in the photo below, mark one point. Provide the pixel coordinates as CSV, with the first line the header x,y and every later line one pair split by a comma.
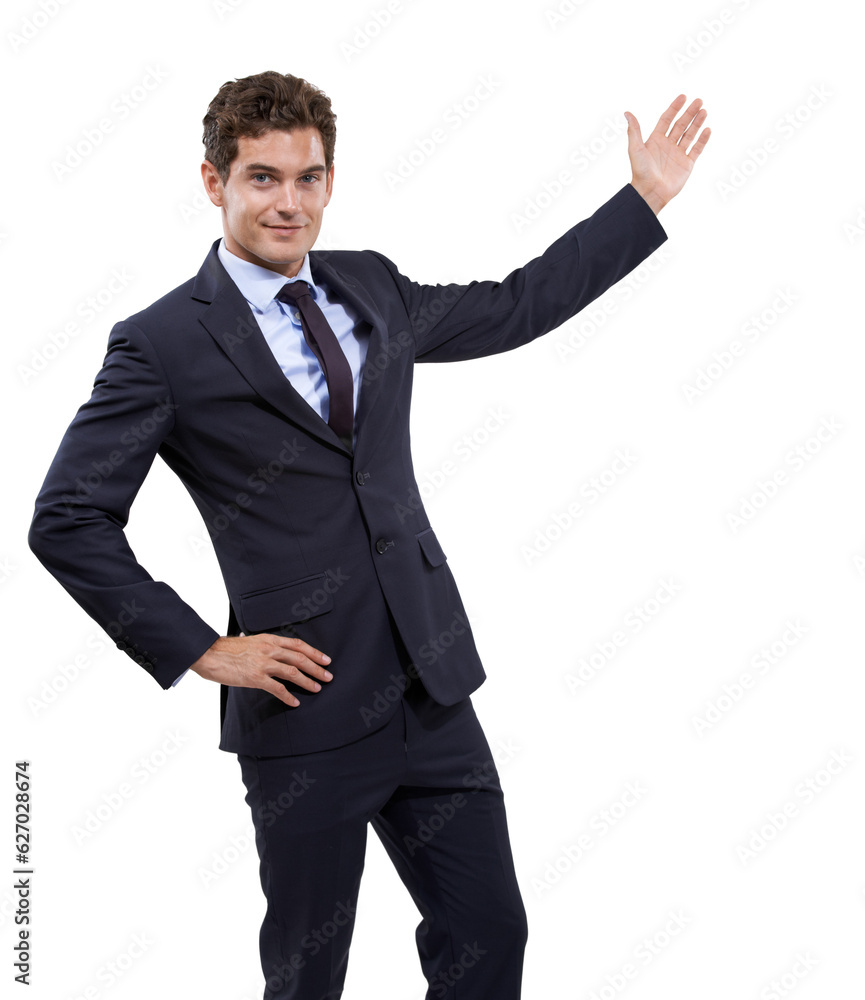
x,y
700,144
293,652
685,120
294,674
693,128
292,642
667,117
278,691
635,136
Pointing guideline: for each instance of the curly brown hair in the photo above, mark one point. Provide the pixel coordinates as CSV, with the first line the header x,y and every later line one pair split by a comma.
x,y
256,104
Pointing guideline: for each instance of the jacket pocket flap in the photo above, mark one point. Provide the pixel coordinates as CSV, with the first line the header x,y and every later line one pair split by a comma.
x,y
431,547
286,604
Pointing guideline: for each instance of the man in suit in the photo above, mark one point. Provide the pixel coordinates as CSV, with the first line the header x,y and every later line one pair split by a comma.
x,y
276,384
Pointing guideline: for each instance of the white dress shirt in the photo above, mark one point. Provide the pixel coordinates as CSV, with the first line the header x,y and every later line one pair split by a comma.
x,y
280,324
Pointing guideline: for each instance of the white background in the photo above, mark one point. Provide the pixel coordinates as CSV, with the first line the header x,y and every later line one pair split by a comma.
x,y
770,208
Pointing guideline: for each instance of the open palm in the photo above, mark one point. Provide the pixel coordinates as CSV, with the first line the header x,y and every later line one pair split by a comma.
x,y
662,163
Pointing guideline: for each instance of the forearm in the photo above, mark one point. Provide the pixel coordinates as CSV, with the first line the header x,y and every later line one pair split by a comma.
x,y
83,505
488,317
145,618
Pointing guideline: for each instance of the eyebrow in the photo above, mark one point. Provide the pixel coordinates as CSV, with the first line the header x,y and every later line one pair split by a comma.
x,y
256,168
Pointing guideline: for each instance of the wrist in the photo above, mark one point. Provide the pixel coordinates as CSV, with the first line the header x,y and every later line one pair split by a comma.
x,y
204,664
649,195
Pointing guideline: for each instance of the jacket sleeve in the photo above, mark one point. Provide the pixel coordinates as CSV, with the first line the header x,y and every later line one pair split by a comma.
x,y
83,506
458,322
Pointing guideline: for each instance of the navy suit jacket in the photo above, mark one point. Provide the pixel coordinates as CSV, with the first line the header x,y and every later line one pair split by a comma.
x,y
313,540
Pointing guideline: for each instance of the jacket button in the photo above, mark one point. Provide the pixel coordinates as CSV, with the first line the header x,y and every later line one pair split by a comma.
x,y
360,478
382,545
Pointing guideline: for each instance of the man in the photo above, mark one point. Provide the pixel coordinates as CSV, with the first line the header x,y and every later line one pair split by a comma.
x,y
276,384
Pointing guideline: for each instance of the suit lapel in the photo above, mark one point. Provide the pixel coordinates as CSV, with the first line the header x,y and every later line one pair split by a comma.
x,y
231,323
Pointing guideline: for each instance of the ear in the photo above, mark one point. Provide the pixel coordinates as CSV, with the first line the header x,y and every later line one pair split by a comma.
x,y
212,183
329,188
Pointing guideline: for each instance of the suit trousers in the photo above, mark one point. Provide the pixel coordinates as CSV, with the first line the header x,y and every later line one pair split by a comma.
x,y
428,784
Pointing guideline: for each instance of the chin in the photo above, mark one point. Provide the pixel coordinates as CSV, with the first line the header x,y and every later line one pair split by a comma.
x,y
276,254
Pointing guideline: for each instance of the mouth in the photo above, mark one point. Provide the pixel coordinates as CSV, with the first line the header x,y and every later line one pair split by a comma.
x,y
281,230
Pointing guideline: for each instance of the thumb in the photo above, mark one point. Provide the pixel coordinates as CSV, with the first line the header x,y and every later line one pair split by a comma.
x,y
635,136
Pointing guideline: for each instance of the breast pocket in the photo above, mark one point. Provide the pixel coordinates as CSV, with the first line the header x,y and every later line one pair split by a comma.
x,y
286,605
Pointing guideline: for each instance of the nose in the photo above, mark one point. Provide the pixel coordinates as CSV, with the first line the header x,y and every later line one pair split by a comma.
x,y
287,201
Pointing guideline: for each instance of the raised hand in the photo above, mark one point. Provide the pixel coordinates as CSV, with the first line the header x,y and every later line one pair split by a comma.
x,y
661,165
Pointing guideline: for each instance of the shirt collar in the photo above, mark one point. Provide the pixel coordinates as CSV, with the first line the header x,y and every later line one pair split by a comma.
x,y
257,284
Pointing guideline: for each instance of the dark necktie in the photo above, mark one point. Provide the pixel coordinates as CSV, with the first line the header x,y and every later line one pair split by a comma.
x,y
324,345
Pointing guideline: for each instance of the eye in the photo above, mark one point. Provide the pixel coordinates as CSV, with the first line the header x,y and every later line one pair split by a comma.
x,y
255,177
309,178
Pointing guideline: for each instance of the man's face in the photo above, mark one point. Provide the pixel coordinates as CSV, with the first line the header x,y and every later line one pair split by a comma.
x,y
274,198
